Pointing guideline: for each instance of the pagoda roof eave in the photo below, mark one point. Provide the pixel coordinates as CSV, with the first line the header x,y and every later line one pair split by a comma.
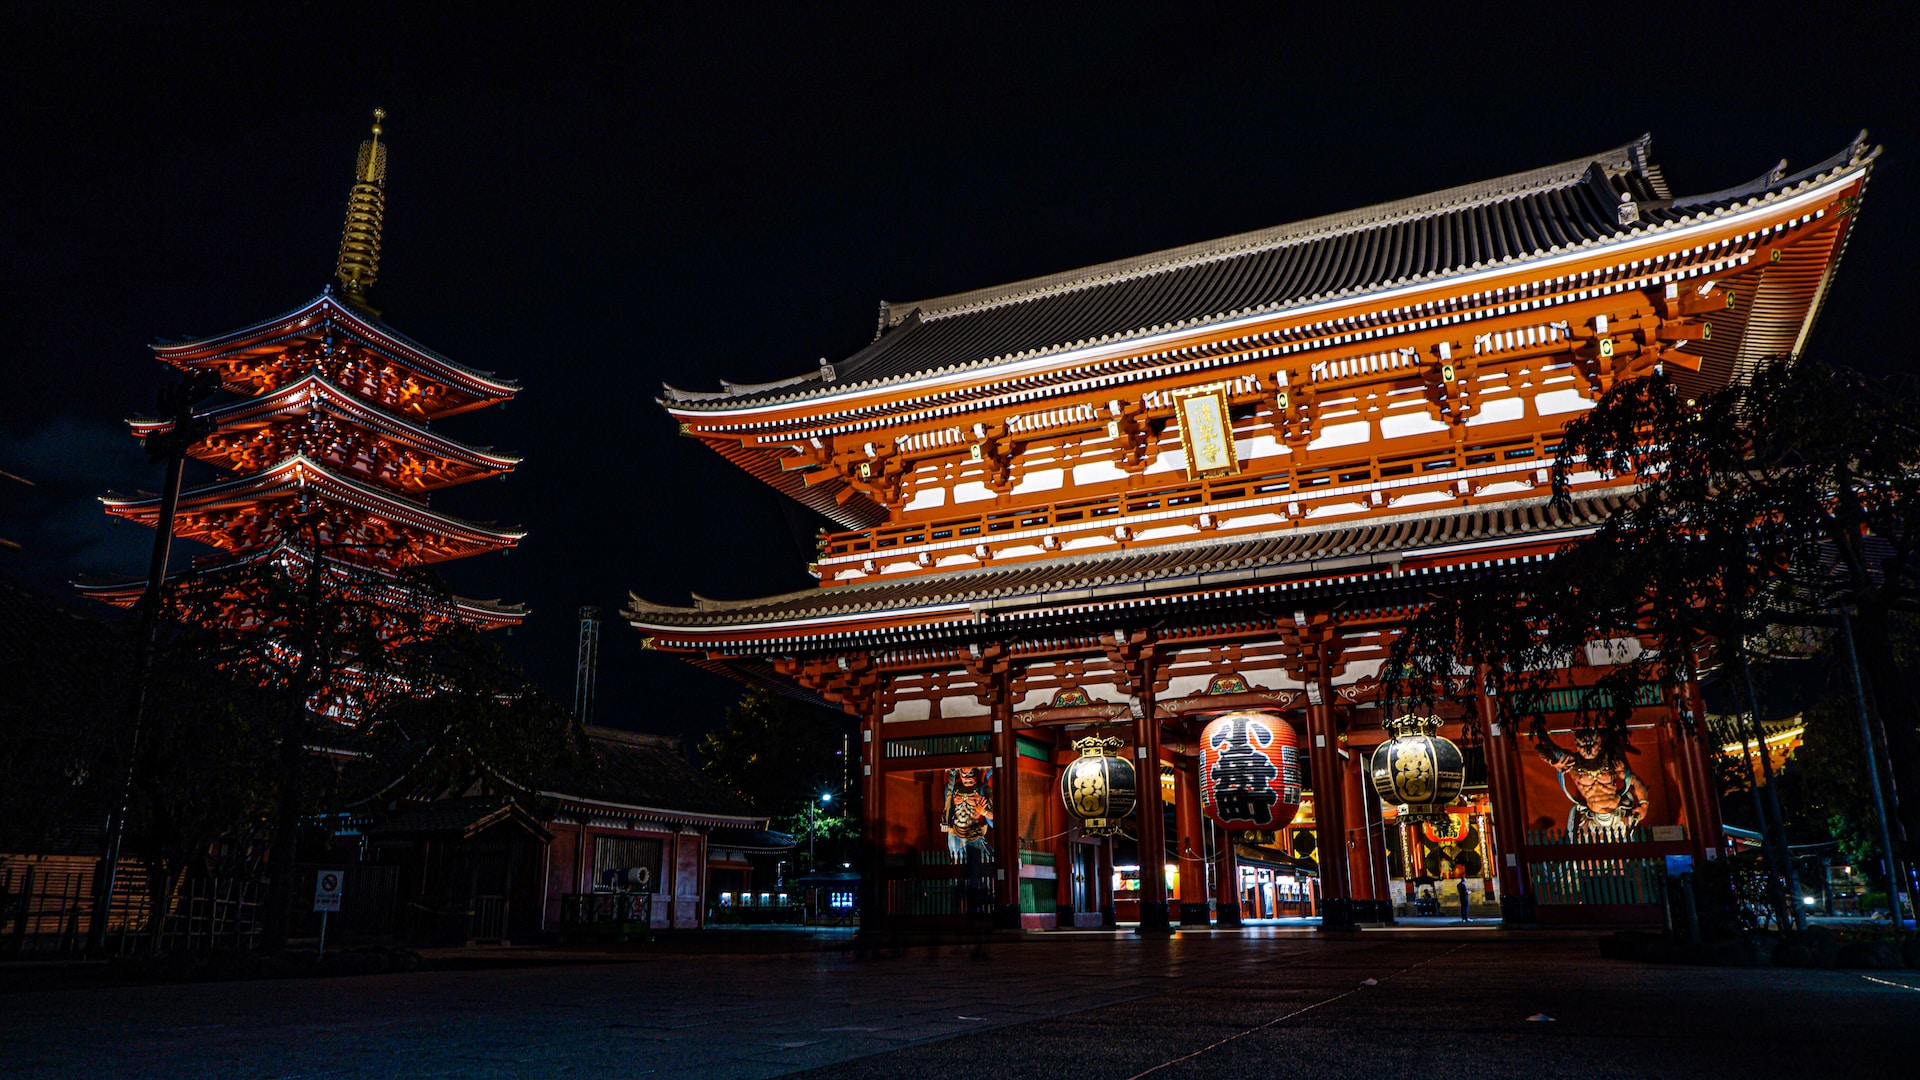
x,y
372,332
308,389
1299,554
300,472
883,367
125,591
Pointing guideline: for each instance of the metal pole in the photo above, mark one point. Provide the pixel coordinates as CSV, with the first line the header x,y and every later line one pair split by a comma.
x,y
1790,878
1894,880
116,825
322,955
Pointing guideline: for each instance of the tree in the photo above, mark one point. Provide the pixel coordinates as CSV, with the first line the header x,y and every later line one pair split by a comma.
x,y
328,640
780,755
1757,507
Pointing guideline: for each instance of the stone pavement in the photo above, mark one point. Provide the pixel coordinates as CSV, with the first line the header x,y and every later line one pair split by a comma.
x,y
1276,1003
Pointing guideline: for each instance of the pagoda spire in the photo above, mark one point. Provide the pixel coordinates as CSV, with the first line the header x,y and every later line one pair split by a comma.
x,y
359,263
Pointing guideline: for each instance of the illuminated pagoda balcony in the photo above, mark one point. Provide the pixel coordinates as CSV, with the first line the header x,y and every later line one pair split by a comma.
x,y
317,420
371,585
352,520
349,349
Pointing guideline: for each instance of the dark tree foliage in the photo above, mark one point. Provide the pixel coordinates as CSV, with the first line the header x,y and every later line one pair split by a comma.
x,y
779,755
1757,509
477,716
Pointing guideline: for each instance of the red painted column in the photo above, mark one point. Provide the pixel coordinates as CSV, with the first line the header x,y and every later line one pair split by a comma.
x,y
1329,806
1366,847
1226,884
1509,811
1006,807
873,812
1102,884
1191,842
1152,813
1703,807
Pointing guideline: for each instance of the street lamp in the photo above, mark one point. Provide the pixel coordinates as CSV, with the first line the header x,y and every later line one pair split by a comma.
x,y
813,811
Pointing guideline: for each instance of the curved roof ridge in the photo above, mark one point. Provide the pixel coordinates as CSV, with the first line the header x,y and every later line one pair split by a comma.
x,y
1629,156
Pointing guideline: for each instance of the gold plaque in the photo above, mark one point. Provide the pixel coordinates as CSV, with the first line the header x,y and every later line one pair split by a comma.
x,y
1206,431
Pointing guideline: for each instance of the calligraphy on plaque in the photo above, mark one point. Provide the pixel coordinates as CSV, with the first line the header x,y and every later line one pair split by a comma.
x,y
1206,431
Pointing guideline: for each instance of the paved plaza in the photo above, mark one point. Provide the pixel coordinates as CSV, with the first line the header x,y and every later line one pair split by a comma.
x,y
1263,1003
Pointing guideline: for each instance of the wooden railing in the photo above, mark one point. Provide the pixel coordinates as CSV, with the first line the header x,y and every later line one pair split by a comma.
x,y
1302,482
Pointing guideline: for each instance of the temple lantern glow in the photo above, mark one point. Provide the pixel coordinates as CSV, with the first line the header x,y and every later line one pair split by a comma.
x,y
1250,771
1418,769
1099,787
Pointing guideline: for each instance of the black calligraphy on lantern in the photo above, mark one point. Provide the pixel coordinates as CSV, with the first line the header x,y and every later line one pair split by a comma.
x,y
1242,775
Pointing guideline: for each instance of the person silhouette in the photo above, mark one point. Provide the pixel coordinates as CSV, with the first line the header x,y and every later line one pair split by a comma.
x,y
1462,887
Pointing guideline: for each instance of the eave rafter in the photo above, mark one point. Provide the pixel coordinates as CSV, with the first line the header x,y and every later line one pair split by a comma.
x,y
298,495
318,420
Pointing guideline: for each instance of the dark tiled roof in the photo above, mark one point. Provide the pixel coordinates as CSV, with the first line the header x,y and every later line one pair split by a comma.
x,y
462,816
758,841
1527,215
646,772
1297,552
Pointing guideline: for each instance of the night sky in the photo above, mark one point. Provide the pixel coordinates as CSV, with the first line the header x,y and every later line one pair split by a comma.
x,y
594,204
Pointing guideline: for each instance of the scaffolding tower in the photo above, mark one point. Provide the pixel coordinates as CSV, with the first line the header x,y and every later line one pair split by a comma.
x,y
588,664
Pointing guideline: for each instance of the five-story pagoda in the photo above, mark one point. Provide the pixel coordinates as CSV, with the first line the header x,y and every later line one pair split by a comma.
x,y
329,459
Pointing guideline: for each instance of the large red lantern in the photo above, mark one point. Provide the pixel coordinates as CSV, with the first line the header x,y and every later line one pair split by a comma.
x,y
1250,771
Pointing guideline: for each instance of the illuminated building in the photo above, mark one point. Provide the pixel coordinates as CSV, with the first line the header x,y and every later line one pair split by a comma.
x,y
1131,497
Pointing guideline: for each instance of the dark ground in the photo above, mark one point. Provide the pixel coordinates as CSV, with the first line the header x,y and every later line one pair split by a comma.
x,y
1445,1003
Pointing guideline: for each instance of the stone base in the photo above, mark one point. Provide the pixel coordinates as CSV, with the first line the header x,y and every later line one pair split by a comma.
x,y
1336,915
1194,915
1153,919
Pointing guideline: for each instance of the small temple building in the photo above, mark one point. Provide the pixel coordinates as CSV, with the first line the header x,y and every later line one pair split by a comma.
x,y
630,833
1125,499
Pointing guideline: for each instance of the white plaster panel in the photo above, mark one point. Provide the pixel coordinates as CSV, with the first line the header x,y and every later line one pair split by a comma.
x,y
1504,487
918,709
971,491
1087,542
1171,459
1555,402
1499,410
954,560
1040,480
1183,685
1337,509
1421,498
1347,434
1357,670
961,705
1020,551
1036,698
899,567
1166,530
1613,651
1410,422
1272,678
1248,521
1097,472
927,498
848,575
1258,447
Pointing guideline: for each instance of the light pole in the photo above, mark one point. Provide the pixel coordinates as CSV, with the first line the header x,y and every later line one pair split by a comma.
x,y
813,811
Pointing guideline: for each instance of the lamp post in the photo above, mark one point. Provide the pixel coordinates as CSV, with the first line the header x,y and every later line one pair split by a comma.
x,y
813,809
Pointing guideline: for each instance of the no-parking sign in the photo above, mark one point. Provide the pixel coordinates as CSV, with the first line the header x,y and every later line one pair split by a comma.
x,y
326,890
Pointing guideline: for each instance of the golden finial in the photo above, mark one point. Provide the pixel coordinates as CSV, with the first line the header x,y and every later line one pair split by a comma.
x,y
359,263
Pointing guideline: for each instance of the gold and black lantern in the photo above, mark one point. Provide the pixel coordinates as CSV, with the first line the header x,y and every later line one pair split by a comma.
x,y
1418,769
1099,787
